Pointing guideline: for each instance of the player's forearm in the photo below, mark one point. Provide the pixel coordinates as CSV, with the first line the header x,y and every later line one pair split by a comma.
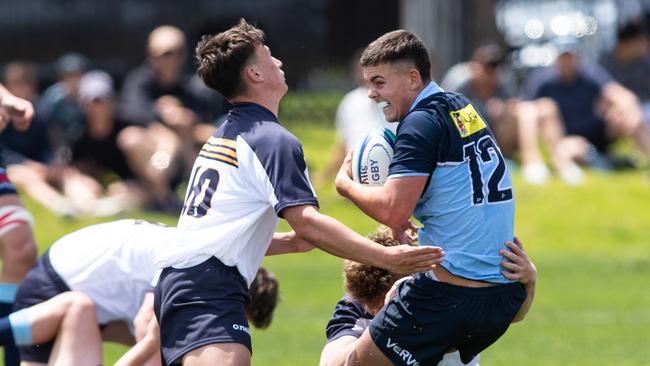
x,y
374,202
332,236
525,307
284,243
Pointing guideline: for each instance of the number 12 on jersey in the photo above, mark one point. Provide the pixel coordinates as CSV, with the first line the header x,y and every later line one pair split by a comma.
x,y
200,192
484,151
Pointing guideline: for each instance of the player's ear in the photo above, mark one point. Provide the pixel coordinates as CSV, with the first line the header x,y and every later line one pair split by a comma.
x,y
414,79
252,73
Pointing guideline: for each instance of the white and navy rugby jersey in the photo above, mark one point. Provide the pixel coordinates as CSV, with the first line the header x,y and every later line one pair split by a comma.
x,y
112,263
467,206
245,175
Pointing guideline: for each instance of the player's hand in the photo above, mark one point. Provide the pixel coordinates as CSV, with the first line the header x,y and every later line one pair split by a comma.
x,y
300,245
18,110
406,259
407,233
517,264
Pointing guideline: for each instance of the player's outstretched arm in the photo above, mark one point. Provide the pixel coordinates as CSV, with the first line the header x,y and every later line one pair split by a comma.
x,y
520,268
19,110
335,238
289,242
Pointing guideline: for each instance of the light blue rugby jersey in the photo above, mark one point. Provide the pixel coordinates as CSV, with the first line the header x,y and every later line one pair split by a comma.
x,y
467,207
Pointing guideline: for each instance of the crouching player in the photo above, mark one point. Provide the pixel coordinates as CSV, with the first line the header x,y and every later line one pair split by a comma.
x,y
102,275
368,288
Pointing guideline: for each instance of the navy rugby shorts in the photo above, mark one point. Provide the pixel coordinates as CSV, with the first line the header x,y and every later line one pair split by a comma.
x,y
198,306
428,318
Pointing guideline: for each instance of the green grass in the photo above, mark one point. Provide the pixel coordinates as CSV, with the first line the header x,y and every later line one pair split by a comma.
x,y
591,245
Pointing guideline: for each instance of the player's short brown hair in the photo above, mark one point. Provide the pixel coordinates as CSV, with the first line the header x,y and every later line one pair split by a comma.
x,y
222,57
365,283
264,298
398,46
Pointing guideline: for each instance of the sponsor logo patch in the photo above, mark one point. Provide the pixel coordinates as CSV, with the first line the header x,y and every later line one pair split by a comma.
x,y
467,121
405,355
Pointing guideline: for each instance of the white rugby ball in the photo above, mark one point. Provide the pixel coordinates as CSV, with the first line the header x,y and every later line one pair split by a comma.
x,y
372,156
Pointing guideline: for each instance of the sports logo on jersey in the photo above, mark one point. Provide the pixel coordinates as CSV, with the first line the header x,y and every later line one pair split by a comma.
x,y
467,121
220,149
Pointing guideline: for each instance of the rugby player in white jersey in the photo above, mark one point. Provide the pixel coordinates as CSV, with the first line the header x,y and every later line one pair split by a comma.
x,y
249,174
102,275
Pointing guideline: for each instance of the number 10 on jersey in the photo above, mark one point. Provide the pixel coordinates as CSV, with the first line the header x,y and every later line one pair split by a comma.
x,y
200,192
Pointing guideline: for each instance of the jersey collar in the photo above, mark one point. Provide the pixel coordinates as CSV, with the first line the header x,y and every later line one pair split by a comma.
x,y
429,90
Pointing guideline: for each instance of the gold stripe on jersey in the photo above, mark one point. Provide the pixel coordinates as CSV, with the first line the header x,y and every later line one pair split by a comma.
x,y
220,149
219,157
221,141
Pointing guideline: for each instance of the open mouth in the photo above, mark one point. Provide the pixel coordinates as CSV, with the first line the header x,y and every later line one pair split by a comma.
x,y
383,104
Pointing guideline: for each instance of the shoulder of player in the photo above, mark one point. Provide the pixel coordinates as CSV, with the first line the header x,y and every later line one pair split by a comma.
x,y
436,108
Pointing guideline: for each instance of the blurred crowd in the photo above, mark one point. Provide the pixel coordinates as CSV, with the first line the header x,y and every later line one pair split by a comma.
x,y
574,111
556,119
94,150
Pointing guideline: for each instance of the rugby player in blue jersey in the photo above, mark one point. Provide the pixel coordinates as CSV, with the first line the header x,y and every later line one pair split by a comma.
x,y
249,174
449,173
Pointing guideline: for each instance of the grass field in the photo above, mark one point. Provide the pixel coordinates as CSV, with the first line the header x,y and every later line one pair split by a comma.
x,y
591,245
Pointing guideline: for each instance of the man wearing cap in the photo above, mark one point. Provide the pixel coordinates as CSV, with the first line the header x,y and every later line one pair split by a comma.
x,y
170,109
595,110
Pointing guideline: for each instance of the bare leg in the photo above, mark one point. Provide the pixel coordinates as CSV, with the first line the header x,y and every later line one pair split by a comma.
x,y
17,247
533,168
367,353
152,152
78,341
70,318
226,354
32,177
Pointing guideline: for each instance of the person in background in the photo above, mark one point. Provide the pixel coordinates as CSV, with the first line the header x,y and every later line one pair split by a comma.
x,y
593,109
172,112
629,62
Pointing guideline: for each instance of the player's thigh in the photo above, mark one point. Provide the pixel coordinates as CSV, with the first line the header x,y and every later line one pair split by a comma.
x,y
226,354
367,353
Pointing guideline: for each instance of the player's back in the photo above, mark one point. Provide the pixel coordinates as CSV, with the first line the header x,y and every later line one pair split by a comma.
x,y
113,263
468,205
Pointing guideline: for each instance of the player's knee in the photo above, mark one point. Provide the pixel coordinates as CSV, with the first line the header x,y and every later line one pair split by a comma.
x,y
81,305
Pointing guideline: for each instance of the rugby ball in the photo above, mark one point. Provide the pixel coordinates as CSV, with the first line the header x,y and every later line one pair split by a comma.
x,y
372,156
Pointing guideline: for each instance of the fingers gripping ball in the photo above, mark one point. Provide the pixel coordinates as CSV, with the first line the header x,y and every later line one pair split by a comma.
x,y
372,156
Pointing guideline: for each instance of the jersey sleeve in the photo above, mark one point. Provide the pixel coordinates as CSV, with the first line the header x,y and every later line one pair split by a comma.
x,y
349,319
284,163
417,144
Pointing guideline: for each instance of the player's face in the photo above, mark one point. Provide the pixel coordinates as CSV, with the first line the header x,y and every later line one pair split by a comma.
x,y
270,68
390,86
